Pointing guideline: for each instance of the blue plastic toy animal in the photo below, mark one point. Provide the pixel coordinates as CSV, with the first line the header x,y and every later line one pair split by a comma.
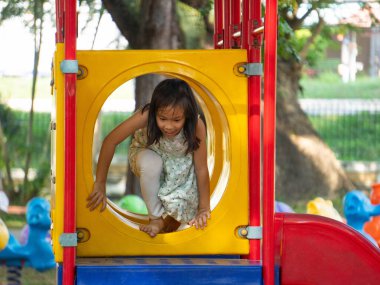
x,y
358,210
37,252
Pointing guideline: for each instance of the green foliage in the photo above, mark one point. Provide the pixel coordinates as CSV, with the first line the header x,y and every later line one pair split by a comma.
x,y
8,121
16,8
16,141
13,221
316,50
15,128
285,36
109,121
11,8
192,26
206,9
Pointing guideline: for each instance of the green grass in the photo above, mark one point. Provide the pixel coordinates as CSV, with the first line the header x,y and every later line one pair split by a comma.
x,y
29,276
13,221
352,137
329,85
20,87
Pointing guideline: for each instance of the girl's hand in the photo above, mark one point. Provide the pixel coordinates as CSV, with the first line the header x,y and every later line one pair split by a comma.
x,y
97,197
200,220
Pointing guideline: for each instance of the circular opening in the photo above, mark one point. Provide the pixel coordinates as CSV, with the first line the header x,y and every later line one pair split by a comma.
x,y
122,186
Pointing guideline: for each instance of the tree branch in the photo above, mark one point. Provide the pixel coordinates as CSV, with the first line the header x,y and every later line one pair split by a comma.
x,y
310,41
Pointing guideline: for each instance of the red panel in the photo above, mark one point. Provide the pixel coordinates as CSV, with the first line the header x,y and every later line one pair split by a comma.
x,y
235,26
245,23
227,23
269,138
59,8
254,133
318,250
218,26
69,225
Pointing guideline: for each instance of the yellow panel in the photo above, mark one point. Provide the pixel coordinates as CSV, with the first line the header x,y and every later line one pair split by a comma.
x,y
224,96
57,157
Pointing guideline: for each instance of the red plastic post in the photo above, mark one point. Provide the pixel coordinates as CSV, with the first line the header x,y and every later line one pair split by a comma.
x,y
59,8
218,25
269,133
254,129
245,24
69,224
235,23
227,23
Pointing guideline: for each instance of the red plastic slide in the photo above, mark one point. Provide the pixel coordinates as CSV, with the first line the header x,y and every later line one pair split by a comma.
x,y
317,250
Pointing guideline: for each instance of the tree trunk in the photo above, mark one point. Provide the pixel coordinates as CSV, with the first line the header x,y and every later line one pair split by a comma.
x,y
9,184
306,166
159,30
37,28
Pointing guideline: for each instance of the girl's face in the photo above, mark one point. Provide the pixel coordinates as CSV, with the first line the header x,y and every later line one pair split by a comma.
x,y
170,120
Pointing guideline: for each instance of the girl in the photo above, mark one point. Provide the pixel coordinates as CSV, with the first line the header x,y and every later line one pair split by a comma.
x,y
168,154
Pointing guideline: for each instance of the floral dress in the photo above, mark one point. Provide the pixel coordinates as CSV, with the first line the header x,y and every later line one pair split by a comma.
x,y
178,186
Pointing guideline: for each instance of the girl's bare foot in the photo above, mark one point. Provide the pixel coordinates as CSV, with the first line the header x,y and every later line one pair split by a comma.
x,y
154,227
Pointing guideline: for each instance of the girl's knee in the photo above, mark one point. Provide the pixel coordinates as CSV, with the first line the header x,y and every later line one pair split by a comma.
x,y
149,162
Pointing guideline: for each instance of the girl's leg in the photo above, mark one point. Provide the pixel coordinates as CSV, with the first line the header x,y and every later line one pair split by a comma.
x,y
149,166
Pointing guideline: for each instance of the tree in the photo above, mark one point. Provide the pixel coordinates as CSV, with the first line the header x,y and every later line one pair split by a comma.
x,y
302,172
36,26
147,24
7,118
306,166
38,9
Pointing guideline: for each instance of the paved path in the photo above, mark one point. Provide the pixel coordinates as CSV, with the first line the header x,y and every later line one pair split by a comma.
x,y
339,106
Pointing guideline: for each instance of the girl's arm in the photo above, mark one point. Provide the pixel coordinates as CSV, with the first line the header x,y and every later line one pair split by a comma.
x,y
107,151
203,180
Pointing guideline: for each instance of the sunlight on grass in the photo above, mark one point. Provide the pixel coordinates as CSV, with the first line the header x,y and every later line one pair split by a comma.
x,y
329,85
21,87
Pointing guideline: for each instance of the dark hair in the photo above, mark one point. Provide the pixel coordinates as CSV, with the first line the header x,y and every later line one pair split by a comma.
x,y
173,93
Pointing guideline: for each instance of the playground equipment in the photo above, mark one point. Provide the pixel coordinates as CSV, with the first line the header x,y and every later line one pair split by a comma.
x,y
358,210
281,207
322,207
4,235
134,204
37,252
240,245
373,226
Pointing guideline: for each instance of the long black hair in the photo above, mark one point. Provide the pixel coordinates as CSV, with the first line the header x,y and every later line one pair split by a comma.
x,y
173,93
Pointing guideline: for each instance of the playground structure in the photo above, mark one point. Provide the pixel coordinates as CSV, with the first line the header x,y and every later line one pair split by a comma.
x,y
37,251
373,226
322,207
245,241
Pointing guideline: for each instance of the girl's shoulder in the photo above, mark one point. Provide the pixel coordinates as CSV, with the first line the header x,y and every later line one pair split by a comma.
x,y
140,117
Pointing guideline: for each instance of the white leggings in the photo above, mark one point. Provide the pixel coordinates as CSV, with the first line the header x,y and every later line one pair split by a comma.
x,y
149,168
